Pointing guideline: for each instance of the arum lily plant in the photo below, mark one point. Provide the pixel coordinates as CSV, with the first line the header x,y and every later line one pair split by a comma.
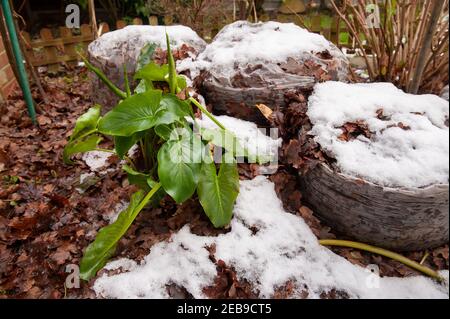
x,y
178,155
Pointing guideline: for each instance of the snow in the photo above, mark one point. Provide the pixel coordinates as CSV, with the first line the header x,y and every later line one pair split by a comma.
x,y
96,159
130,40
86,180
242,43
248,135
283,249
111,217
392,157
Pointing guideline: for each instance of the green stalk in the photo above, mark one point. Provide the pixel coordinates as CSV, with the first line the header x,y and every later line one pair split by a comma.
x,y
383,252
143,150
125,77
207,113
104,79
172,69
105,150
148,197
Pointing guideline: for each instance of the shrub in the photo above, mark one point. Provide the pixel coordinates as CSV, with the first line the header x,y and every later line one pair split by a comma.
x,y
410,44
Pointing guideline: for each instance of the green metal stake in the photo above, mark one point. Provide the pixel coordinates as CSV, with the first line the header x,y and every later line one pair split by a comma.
x,y
23,79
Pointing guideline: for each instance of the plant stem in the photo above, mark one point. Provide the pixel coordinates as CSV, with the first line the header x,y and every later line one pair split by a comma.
x,y
130,161
125,78
383,252
147,197
104,79
105,150
143,150
208,114
425,256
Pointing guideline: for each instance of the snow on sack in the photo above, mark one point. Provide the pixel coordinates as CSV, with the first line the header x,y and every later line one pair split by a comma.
x,y
409,144
130,40
283,249
242,43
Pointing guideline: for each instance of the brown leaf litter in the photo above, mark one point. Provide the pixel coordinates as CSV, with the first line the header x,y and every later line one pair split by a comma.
x,y
45,223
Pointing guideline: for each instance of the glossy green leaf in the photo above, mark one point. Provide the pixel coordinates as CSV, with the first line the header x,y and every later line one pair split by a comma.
x,y
80,146
104,245
218,192
86,123
163,131
181,82
123,144
176,106
134,114
224,139
179,166
229,141
153,72
143,181
143,86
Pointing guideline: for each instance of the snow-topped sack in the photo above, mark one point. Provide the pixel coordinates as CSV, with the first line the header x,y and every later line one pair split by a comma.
x,y
250,63
114,49
389,182
409,134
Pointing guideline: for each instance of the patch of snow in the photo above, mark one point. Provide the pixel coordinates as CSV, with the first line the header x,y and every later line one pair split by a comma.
x,y
96,159
86,180
85,176
242,43
392,157
133,150
283,249
124,263
248,135
112,216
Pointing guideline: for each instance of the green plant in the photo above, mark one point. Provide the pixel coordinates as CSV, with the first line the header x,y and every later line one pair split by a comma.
x,y
176,152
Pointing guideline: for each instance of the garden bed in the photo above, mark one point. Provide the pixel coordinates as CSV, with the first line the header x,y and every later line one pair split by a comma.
x,y
46,223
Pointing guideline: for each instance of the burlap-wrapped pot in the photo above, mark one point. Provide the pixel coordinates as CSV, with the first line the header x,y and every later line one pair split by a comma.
x,y
403,219
251,63
113,49
386,179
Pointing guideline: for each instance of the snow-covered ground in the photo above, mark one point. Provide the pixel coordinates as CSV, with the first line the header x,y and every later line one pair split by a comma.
x,y
96,160
417,156
283,249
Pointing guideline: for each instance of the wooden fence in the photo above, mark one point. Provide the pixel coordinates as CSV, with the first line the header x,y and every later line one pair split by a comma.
x,y
50,49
